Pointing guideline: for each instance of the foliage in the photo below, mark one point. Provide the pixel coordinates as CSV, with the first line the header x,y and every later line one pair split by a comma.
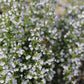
x,y
36,46
28,56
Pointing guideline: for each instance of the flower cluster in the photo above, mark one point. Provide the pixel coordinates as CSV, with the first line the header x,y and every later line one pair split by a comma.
x,y
26,41
37,47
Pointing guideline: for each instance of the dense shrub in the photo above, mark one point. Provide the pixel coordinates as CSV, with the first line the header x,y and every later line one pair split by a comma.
x,y
25,42
36,46
71,44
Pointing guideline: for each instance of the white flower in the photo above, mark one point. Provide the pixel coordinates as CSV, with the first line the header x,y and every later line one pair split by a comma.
x,y
2,63
13,65
41,62
9,74
29,39
21,69
9,1
28,57
31,48
2,81
44,81
20,51
16,69
35,77
65,67
70,51
29,77
10,13
30,66
30,45
36,48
